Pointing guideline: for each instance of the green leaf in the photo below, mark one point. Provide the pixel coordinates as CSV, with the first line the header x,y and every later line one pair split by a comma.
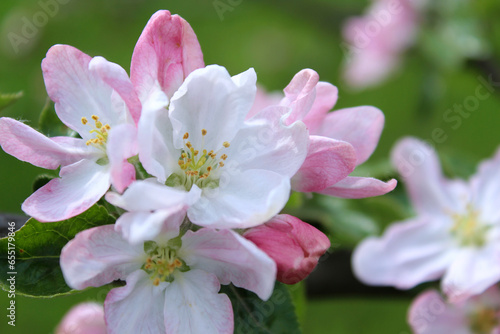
x,y
252,315
50,125
36,248
7,99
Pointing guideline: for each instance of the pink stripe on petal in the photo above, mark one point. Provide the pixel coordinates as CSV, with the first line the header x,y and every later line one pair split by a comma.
x,y
26,144
166,52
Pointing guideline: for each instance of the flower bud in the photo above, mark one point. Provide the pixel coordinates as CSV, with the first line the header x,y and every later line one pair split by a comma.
x,y
294,245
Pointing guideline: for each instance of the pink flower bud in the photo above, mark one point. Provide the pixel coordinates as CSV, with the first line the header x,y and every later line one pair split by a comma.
x,y
84,318
295,246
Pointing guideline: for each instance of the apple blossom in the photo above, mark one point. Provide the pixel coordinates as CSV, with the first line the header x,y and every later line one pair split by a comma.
x,y
377,39
227,172
84,318
294,245
96,99
172,282
455,234
339,140
430,314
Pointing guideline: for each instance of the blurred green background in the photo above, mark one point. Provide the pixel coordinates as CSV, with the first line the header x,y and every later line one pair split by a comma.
x,y
278,39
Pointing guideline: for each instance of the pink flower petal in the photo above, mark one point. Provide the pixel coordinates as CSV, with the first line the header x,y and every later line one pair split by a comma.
x,y
326,97
420,169
81,185
328,161
193,305
77,91
121,145
408,254
98,256
430,314
359,187
117,78
359,126
166,52
26,144
137,307
231,258
295,246
263,100
84,318
300,94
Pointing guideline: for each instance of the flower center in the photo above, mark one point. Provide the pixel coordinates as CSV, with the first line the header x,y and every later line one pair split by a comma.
x,y
484,321
100,132
198,166
468,230
163,261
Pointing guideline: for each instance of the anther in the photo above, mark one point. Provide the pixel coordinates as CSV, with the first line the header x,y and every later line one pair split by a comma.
x,y
225,144
223,157
84,120
203,132
186,135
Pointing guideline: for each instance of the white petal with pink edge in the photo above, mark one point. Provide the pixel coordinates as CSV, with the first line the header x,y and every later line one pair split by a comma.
x,y
98,256
81,185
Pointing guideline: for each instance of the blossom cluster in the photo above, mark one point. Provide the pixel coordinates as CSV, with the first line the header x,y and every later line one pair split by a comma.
x,y
455,237
199,164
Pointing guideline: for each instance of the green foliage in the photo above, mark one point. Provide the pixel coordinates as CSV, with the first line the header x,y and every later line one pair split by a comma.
x,y
252,315
50,125
7,99
37,248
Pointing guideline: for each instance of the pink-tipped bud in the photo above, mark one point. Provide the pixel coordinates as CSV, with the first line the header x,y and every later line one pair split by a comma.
x,y
295,246
84,318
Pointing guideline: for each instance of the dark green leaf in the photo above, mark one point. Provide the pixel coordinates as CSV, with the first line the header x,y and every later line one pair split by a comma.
x,y
7,99
41,180
254,316
37,248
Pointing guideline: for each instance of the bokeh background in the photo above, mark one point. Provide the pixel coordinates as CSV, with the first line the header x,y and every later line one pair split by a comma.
x,y
278,38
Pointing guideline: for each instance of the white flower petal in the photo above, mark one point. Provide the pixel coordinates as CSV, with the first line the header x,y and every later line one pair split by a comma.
x,y
408,254
193,305
210,99
135,308
473,271
232,258
242,200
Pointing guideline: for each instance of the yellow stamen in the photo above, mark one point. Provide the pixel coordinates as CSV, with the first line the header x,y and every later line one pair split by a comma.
x,y
84,120
156,281
203,132
186,136
223,157
225,144
221,164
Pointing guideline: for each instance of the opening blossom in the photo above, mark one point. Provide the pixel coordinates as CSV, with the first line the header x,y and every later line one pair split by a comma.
x,y
430,314
172,282
96,99
455,234
339,140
